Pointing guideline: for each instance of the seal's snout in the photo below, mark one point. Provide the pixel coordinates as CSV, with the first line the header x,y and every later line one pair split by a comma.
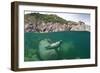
x,y
60,41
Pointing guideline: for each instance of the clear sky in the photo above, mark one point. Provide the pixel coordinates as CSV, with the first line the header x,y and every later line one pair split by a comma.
x,y
76,17
69,16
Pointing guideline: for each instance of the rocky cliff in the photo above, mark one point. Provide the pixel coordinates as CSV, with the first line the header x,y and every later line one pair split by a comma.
x,y
36,22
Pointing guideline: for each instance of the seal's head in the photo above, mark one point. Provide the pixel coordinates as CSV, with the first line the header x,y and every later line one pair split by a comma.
x,y
54,45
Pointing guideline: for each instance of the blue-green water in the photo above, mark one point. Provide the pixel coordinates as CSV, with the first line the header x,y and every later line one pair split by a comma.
x,y
75,44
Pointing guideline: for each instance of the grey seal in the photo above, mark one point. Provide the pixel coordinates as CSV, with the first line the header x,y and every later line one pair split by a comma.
x,y
48,50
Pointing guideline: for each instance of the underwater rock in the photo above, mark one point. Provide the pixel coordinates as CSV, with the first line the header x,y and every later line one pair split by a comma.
x,y
48,50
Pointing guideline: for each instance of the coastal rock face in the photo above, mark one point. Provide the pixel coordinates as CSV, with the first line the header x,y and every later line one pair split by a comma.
x,y
81,26
36,22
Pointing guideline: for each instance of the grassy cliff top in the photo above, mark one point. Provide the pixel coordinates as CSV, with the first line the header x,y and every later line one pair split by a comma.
x,y
45,18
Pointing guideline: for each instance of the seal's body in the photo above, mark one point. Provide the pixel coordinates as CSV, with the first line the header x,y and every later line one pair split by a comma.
x,y
47,50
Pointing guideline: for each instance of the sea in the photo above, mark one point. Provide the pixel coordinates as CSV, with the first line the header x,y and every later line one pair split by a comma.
x,y
75,44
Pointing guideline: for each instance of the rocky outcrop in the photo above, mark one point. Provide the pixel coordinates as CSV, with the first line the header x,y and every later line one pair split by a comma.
x,y
37,22
81,26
